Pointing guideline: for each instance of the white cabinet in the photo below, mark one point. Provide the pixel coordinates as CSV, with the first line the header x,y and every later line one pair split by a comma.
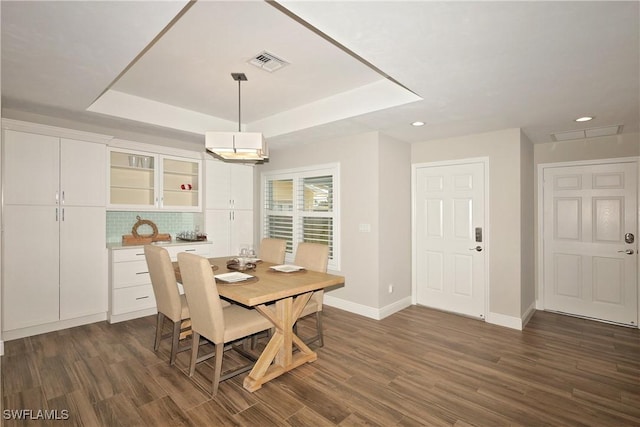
x,y
131,294
54,243
229,186
144,180
229,202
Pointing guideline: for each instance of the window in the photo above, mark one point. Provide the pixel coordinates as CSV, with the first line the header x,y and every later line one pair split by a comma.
x,y
301,205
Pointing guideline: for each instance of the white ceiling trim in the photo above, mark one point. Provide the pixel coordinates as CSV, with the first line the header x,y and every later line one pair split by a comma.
x,y
365,99
123,105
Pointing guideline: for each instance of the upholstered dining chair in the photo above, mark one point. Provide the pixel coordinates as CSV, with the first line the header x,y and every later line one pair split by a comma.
x,y
313,256
170,304
272,250
210,320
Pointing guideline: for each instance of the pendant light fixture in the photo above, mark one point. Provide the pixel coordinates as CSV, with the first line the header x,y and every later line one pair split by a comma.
x,y
246,147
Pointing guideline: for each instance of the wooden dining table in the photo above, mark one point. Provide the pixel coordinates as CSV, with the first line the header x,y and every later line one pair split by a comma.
x,y
290,291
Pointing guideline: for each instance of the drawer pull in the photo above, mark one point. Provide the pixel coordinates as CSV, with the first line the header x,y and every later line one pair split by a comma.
x,y
145,297
189,250
142,272
142,254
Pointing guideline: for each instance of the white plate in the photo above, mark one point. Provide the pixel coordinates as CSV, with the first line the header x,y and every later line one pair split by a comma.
x,y
233,277
287,268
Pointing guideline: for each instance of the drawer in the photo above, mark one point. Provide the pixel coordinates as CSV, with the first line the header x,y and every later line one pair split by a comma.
x,y
202,250
132,254
132,273
126,300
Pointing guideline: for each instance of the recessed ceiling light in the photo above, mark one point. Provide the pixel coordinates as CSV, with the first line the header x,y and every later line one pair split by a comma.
x,y
584,119
417,124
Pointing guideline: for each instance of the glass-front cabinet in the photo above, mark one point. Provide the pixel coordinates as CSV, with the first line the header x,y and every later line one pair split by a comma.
x,y
149,181
180,183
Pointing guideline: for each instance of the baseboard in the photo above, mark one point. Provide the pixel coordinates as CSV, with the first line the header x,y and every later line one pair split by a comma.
x,y
115,318
365,310
504,320
528,314
395,307
51,327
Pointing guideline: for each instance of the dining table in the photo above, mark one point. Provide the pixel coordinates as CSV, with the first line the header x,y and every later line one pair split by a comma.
x,y
279,294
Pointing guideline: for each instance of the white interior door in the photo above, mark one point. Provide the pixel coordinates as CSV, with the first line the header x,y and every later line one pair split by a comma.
x,y
589,268
450,238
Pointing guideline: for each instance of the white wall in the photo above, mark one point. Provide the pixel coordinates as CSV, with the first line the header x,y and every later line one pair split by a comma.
x,y
505,191
395,221
608,147
375,190
527,228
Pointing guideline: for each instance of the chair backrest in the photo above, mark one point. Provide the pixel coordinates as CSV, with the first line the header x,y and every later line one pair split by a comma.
x,y
273,250
200,289
163,280
312,256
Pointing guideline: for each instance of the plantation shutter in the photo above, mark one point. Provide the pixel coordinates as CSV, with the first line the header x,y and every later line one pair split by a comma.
x,y
302,205
278,221
315,197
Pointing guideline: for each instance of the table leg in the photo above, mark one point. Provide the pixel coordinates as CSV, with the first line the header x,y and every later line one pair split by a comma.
x,y
279,349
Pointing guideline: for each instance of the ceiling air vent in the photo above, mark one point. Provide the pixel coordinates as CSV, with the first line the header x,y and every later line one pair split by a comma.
x,y
267,61
587,133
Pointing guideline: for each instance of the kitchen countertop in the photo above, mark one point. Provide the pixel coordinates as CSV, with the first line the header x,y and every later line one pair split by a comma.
x,y
119,245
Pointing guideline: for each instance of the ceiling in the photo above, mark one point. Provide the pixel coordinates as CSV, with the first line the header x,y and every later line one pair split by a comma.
x,y
163,67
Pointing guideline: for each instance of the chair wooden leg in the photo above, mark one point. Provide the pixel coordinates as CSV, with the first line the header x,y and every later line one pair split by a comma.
x,y
159,324
319,327
218,368
175,342
195,346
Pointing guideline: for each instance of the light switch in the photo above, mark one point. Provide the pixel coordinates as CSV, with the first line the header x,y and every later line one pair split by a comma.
x,y
364,228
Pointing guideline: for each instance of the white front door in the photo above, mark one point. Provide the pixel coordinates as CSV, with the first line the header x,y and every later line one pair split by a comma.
x,y
590,263
450,237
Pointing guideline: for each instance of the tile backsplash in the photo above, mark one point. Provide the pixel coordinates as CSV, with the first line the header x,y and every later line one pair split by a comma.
x,y
120,223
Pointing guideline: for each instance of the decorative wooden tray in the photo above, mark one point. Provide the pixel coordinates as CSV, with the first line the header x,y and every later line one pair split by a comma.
x,y
144,239
234,264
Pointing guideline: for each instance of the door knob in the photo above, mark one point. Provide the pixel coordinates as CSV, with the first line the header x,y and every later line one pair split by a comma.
x,y
628,251
477,248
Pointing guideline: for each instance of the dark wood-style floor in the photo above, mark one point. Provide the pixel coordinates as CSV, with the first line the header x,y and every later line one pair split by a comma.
x,y
416,367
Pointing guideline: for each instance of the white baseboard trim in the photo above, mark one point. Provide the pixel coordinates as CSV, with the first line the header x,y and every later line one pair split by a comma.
x,y
115,318
528,314
365,310
50,327
504,320
392,308
510,321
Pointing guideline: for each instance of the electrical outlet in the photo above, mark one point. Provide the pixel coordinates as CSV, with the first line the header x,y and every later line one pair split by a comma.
x,y
391,288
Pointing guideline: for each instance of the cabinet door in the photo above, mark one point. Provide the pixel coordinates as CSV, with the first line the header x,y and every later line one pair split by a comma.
x,y
30,266
180,184
218,228
218,184
241,230
31,169
83,262
132,180
241,186
82,173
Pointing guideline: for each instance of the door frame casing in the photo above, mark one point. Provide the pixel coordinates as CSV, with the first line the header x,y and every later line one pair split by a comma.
x,y
540,221
487,231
